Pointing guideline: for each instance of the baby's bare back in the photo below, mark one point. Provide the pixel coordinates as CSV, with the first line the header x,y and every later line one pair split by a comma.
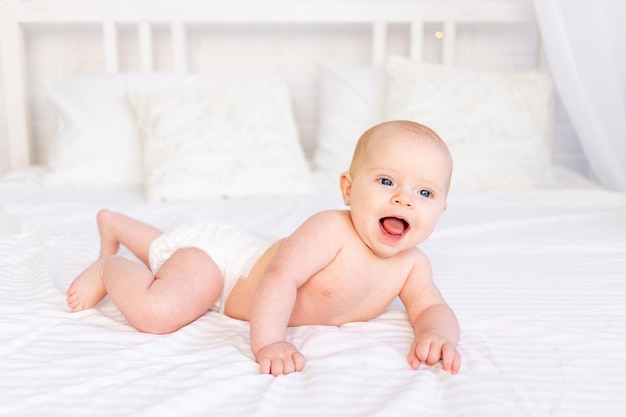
x,y
355,286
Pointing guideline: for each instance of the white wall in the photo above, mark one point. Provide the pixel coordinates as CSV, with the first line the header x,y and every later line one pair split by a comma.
x,y
286,50
4,146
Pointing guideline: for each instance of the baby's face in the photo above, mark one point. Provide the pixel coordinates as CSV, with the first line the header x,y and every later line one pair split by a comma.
x,y
397,191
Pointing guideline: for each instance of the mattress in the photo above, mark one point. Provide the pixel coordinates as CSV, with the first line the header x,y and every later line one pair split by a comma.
x,y
537,279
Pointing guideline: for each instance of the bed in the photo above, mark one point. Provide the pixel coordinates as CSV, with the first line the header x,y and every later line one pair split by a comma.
x,y
531,257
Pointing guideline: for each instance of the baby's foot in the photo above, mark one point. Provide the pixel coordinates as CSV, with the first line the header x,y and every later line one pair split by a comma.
x,y
87,289
109,245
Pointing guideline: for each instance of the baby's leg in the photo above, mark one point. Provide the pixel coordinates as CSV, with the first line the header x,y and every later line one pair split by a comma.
x,y
186,286
116,228
88,289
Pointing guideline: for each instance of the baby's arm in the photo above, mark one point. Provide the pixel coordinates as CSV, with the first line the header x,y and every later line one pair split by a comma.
x,y
435,324
308,250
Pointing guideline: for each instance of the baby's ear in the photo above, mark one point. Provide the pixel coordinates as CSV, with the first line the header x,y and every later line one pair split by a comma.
x,y
345,183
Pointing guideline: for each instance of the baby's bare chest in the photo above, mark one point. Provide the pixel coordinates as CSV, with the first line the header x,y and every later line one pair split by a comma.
x,y
349,290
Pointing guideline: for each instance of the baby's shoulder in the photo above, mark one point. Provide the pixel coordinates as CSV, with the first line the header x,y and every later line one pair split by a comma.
x,y
328,226
414,253
414,257
331,218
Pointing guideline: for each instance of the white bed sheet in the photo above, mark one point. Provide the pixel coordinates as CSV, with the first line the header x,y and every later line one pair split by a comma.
x,y
537,279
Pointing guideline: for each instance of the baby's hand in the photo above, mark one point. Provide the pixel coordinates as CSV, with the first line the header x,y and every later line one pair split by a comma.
x,y
430,348
279,358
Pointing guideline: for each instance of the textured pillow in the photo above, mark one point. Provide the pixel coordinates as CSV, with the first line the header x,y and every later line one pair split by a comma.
x,y
515,165
96,141
494,122
350,102
230,140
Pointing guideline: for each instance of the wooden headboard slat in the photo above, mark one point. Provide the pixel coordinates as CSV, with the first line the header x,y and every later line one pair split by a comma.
x,y
16,16
67,11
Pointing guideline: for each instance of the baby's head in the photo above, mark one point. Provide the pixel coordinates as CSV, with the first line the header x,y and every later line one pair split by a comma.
x,y
383,135
397,185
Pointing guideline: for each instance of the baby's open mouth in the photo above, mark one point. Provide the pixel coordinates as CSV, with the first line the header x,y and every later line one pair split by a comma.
x,y
394,225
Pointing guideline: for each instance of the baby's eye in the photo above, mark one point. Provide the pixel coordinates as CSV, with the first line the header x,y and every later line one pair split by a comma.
x,y
425,193
386,181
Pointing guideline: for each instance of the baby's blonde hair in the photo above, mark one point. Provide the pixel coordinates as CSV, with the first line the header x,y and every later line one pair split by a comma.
x,y
414,129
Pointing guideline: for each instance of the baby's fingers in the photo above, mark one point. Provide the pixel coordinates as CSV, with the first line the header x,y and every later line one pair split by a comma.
x,y
421,352
274,366
299,361
412,357
265,366
431,352
435,353
428,352
293,363
451,358
282,364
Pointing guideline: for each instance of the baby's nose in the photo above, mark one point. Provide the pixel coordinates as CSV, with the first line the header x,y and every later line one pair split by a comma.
x,y
403,198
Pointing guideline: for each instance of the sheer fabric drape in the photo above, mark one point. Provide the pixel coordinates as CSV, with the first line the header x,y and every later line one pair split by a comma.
x,y
585,43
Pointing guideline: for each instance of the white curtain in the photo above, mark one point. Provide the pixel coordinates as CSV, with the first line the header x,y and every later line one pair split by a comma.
x,y
585,43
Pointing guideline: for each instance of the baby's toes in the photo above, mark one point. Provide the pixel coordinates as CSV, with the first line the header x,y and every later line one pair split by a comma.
x,y
73,302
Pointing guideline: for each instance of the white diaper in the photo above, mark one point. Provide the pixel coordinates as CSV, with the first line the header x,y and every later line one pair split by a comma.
x,y
232,248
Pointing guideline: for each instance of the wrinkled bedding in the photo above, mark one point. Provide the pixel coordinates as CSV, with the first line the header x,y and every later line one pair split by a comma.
x,y
537,279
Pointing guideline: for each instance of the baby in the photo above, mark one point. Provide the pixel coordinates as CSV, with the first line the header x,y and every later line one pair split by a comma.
x,y
339,266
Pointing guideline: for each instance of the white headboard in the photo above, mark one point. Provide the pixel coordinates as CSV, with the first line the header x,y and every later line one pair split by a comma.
x,y
16,17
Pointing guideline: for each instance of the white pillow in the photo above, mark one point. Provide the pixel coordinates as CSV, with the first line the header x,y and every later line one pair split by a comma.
x,y
350,102
494,122
96,141
514,165
225,140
